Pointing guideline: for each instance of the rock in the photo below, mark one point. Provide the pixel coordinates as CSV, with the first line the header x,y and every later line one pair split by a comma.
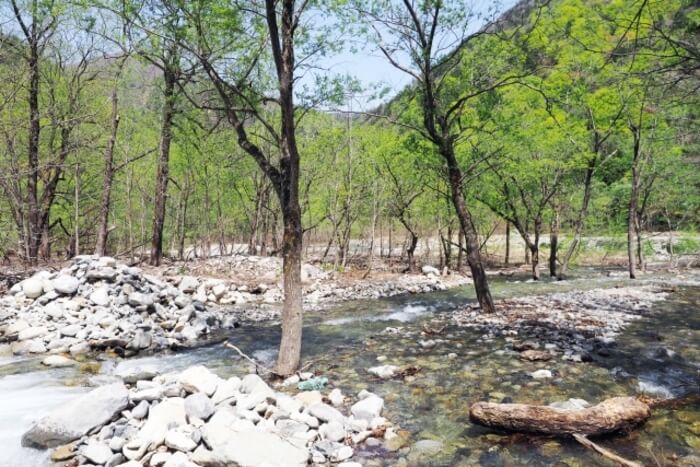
x,y
141,340
326,413
188,284
430,271
226,390
384,371
71,330
131,374
65,284
336,397
541,374
309,398
32,332
100,296
16,327
424,450
140,299
58,361
102,274
33,287
169,412
254,383
178,459
179,441
97,452
536,355
344,453
30,346
64,452
199,379
77,417
198,405
333,431
246,448
368,408
141,410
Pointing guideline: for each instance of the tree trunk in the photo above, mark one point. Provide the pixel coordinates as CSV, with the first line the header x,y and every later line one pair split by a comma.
x,y
34,232
632,232
507,258
163,168
481,286
611,415
554,244
107,179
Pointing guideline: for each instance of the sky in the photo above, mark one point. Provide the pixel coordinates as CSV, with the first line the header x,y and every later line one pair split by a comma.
x,y
371,68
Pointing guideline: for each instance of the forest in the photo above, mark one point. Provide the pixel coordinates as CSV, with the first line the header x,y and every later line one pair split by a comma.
x,y
171,169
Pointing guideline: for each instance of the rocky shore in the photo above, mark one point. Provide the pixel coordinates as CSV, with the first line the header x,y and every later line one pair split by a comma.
x,y
97,303
195,418
575,326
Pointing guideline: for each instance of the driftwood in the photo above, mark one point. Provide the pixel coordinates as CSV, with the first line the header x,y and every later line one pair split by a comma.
x,y
615,414
605,452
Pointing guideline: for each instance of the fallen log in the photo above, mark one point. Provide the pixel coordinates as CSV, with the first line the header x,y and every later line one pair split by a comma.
x,y
611,415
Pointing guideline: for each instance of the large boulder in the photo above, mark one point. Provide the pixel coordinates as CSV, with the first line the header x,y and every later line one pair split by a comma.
x,y
77,417
245,448
33,287
65,284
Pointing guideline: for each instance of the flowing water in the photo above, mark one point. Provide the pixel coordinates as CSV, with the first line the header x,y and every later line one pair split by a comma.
x,y
660,353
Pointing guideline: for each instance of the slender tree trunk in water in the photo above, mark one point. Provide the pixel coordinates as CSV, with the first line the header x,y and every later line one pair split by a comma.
x,y
507,258
107,179
554,244
476,266
632,231
163,169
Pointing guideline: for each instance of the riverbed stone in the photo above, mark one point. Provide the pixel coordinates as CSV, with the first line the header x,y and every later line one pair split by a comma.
x,y
384,371
32,332
77,417
541,374
368,408
179,441
30,346
198,378
248,448
199,406
100,296
97,452
326,413
65,284
33,287
58,361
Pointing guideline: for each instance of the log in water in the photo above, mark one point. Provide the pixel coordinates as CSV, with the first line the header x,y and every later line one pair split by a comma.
x,y
614,414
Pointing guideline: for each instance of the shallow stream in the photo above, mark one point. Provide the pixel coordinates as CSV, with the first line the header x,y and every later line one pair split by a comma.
x,y
659,353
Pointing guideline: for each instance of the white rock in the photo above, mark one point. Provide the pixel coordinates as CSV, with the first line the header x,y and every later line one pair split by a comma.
x,y
188,284
58,361
65,284
430,270
100,296
384,371
33,287
199,379
198,405
326,413
253,384
333,431
179,441
368,408
336,397
16,327
541,374
140,299
226,390
32,332
97,452
178,459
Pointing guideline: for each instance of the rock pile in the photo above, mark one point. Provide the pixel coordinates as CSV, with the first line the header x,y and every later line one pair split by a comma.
x,y
195,418
97,303
577,325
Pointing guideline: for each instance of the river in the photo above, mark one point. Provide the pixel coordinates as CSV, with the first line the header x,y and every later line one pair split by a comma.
x,y
659,353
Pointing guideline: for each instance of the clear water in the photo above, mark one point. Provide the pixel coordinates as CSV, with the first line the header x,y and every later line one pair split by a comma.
x,y
661,352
